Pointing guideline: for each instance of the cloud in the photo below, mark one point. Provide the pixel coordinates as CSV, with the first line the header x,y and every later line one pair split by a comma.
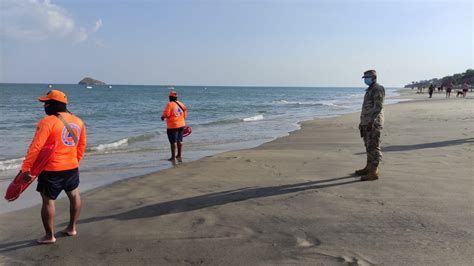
x,y
97,26
81,35
39,20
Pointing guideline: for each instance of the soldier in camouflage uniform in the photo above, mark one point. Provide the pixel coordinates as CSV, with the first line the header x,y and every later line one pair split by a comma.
x,y
371,124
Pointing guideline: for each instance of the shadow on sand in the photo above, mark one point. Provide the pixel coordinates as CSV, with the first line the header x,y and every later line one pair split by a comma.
x,y
200,202
17,245
5,247
219,198
428,145
424,145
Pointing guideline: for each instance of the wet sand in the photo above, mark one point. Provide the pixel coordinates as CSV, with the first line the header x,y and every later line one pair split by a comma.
x,y
290,201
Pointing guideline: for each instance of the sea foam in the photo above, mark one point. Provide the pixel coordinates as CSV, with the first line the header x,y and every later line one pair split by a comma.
x,y
111,146
11,164
253,118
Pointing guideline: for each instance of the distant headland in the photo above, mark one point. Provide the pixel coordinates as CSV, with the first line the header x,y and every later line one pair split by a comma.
x,y
90,81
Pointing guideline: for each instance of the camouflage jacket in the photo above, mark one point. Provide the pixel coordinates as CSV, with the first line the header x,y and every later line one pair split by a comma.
x,y
372,108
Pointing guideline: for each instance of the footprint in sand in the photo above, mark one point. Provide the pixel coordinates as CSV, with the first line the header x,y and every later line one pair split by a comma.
x,y
207,220
353,261
230,157
198,221
304,241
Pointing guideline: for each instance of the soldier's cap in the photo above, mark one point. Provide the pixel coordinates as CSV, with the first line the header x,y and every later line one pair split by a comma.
x,y
369,74
173,94
54,95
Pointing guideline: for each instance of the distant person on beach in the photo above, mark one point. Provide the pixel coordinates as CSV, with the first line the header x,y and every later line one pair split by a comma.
x,y
465,88
371,124
175,114
431,90
449,87
61,172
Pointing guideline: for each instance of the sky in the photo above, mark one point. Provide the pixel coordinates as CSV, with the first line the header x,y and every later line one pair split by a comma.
x,y
234,43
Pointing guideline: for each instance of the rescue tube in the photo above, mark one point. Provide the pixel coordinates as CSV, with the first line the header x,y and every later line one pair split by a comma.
x,y
21,182
187,131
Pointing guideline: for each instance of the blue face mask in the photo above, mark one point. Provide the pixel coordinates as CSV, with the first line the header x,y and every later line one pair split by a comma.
x,y
368,81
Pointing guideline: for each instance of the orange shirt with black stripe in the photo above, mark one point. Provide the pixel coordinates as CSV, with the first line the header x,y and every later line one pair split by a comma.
x,y
67,155
174,115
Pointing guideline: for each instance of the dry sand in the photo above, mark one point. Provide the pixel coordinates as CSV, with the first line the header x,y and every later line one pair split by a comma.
x,y
292,201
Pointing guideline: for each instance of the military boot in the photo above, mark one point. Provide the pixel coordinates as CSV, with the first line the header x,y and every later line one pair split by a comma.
x,y
373,173
363,171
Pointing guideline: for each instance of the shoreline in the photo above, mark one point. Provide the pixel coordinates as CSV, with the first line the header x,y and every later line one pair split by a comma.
x,y
288,201
29,198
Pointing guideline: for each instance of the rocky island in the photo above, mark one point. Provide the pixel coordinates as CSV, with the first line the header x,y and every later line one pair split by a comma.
x,y
90,81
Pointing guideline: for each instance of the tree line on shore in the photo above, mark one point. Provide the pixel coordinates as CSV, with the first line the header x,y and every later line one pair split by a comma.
x,y
456,80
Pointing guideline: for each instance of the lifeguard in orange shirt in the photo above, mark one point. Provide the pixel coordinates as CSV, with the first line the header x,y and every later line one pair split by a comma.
x,y
175,114
62,171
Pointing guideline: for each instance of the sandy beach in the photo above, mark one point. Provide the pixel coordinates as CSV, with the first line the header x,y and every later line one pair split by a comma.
x,y
292,201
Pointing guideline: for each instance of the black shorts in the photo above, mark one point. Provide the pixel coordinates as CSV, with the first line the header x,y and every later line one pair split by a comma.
x,y
175,134
51,183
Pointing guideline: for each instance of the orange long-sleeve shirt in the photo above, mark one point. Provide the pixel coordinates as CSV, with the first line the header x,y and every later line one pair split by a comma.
x,y
67,155
174,115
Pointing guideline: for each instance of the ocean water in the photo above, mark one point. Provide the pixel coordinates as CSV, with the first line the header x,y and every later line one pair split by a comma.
x,y
127,138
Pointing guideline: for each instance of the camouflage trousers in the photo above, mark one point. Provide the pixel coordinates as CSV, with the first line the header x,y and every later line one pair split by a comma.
x,y
372,145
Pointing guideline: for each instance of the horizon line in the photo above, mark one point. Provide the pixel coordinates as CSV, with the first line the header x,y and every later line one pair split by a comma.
x,y
181,85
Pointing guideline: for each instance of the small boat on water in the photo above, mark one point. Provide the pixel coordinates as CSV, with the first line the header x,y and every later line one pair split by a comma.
x,y
88,87
110,86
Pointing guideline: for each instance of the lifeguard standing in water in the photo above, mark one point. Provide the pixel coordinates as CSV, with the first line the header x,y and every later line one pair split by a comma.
x,y
61,172
175,114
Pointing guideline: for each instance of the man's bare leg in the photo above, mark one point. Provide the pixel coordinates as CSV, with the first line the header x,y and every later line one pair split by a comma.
x,y
180,147
47,216
74,211
173,152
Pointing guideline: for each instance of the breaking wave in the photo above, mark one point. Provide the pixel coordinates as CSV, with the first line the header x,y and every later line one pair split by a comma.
x,y
253,118
119,144
11,164
310,103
